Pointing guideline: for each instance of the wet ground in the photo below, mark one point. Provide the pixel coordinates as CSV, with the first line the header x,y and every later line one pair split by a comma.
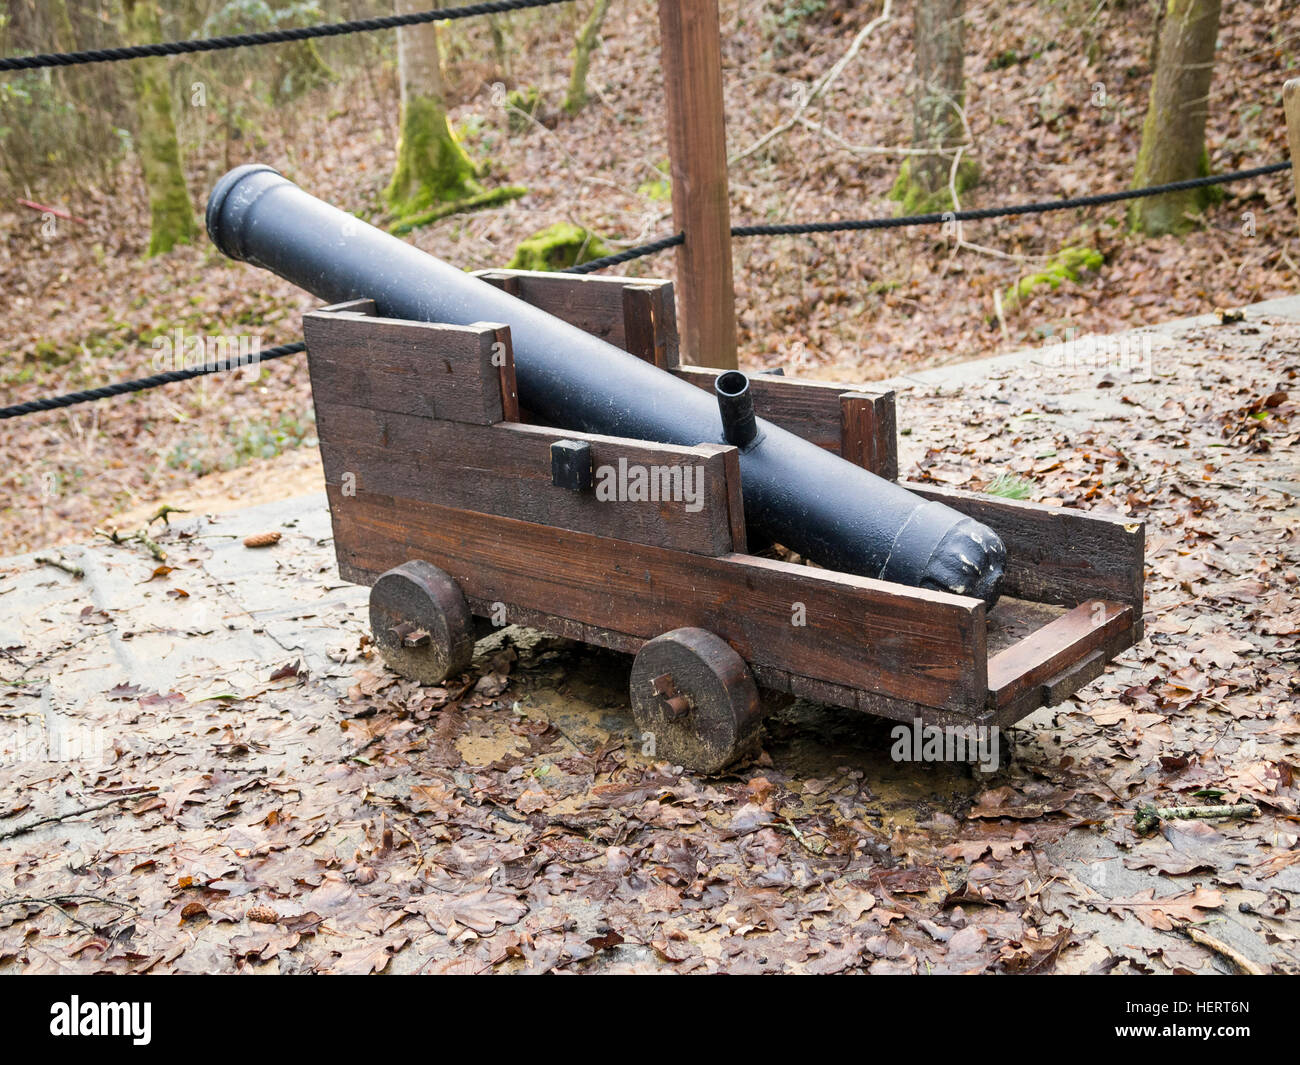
x,y
203,767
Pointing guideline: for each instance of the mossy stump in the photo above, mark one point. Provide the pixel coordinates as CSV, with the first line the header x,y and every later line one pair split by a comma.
x,y
557,247
435,176
917,197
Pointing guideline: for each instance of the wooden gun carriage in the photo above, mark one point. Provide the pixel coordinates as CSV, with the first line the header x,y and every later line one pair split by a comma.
x,y
454,508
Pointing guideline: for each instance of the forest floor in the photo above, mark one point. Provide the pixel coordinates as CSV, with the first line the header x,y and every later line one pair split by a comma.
x,y
203,768
1056,97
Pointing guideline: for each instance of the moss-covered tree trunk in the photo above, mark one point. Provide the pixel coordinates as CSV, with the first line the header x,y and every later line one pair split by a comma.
x,y
171,214
583,44
432,167
299,66
1173,136
940,96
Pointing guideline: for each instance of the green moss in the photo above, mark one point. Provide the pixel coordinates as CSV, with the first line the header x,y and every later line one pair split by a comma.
x,y
917,198
301,68
171,214
521,108
576,98
48,352
1009,486
1156,215
1067,265
1210,194
659,190
432,167
556,247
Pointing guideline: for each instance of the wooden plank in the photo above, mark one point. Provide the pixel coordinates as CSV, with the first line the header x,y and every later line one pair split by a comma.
x,y
1060,687
650,323
1065,683
901,643
904,710
736,501
506,280
868,436
418,368
1063,643
691,56
503,357
505,469
810,409
596,305
1291,105
1012,619
1055,555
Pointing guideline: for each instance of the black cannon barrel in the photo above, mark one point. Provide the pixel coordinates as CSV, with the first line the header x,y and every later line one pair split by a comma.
x,y
795,493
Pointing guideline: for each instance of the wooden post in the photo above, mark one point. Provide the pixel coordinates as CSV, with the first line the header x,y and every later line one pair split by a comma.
x,y
1291,104
691,51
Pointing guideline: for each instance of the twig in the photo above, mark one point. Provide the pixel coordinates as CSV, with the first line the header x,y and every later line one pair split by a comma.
x,y
1243,963
59,563
22,830
76,897
419,851
819,88
790,827
870,149
161,514
1147,818
141,537
152,545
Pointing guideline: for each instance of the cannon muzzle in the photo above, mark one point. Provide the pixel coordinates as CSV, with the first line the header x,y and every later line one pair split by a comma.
x,y
795,493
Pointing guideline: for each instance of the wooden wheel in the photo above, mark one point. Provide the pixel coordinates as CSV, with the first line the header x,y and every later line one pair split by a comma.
x,y
421,623
696,698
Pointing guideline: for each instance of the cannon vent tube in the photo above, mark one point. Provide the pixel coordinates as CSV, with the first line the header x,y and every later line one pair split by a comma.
x,y
736,405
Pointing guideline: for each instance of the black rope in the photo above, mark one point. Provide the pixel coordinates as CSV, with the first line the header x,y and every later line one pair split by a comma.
x,y
139,385
243,40
663,243
794,228
626,256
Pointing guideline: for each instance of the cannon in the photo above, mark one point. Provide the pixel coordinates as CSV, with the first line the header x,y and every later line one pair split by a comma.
x,y
465,513
795,494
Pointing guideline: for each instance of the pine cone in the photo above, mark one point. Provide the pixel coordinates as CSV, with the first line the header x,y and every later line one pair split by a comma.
x,y
262,914
262,539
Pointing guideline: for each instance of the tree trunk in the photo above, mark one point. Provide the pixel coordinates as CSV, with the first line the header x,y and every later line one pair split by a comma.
x,y
576,98
940,97
1173,136
299,67
497,26
432,167
172,215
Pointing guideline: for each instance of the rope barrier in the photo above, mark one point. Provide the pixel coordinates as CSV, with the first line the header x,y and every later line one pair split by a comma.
x,y
626,256
663,243
139,385
245,40
795,228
